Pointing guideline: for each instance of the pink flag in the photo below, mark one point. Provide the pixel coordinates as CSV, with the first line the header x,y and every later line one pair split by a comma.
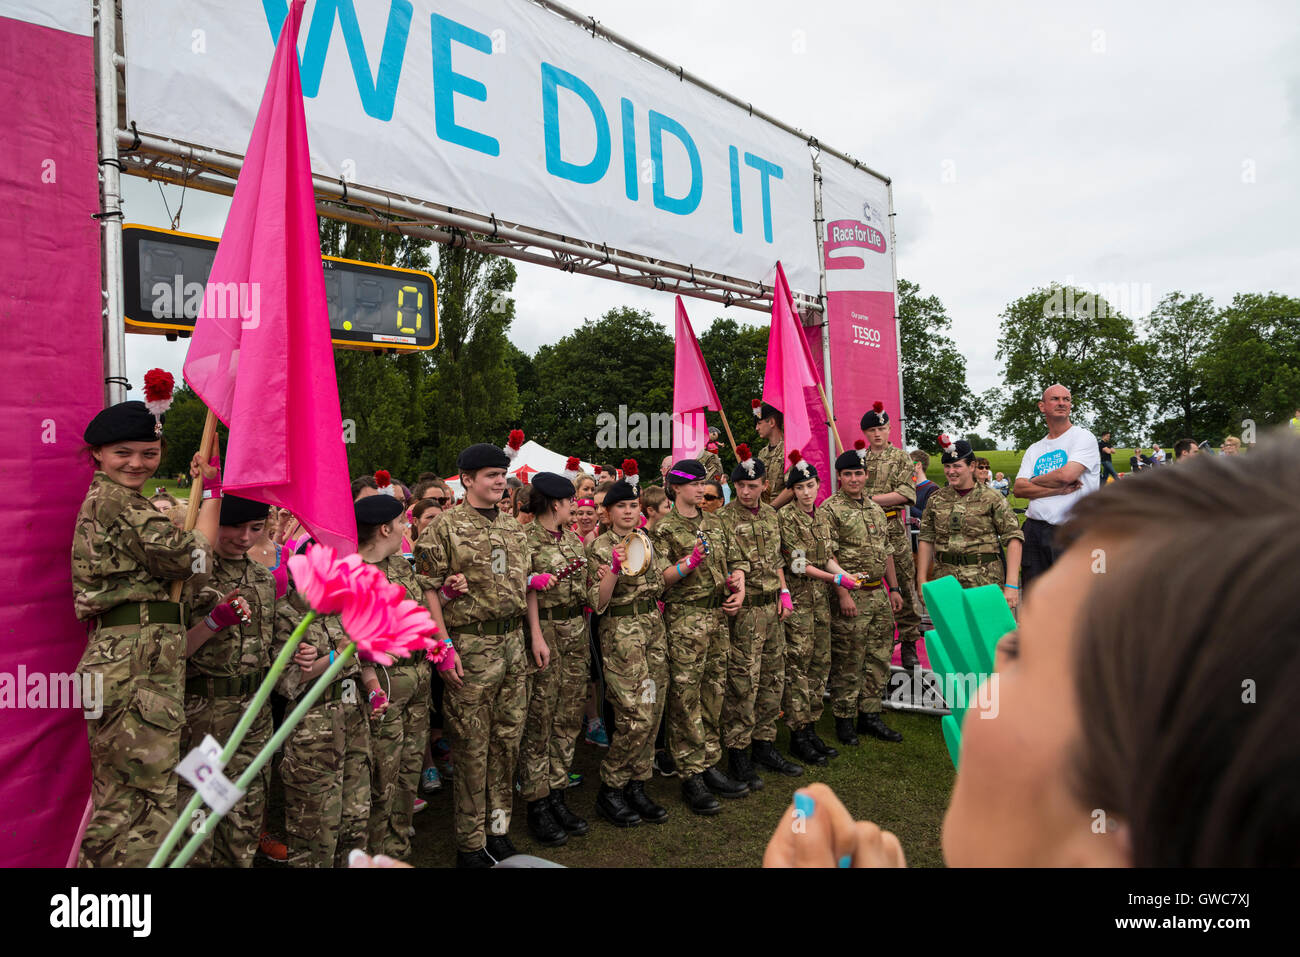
x,y
791,381
693,391
261,357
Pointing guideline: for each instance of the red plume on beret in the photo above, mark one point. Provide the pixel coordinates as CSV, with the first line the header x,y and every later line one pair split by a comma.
x,y
795,457
860,444
878,406
383,479
571,464
516,438
158,385
944,441
597,468
630,467
742,452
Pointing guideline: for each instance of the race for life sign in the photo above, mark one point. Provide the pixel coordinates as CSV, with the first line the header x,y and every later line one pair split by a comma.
x,y
497,108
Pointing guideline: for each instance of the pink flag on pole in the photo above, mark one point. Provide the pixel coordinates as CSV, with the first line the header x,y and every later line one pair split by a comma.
x,y
693,391
261,357
791,380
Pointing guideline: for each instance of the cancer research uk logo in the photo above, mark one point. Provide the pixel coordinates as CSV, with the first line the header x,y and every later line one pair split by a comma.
x,y
1050,461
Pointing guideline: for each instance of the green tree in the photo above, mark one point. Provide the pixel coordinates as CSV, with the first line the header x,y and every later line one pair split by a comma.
x,y
1251,369
979,443
935,394
184,431
1177,334
1063,334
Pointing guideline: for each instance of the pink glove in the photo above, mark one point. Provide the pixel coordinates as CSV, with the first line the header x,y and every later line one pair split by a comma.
x,y
281,575
694,559
224,616
377,700
540,581
213,485
786,602
449,593
448,661
848,582
615,564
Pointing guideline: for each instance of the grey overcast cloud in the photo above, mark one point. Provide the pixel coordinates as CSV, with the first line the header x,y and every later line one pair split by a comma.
x,y
1152,147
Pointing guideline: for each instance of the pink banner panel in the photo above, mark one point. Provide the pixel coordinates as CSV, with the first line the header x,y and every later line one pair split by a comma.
x,y
864,359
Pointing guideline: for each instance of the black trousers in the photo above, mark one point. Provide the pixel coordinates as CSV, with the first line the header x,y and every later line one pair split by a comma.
x,y
1040,551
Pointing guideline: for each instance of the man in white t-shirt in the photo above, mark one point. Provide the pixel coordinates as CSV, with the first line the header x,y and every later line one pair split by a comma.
x,y
1055,473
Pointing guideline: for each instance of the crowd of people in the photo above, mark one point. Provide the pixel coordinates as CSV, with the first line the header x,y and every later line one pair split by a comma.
x,y
707,611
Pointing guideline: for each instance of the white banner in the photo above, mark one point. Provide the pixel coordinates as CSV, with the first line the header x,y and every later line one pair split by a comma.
x,y
497,107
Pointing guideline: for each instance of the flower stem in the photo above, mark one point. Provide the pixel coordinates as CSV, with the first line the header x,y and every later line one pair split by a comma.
x,y
237,736
264,756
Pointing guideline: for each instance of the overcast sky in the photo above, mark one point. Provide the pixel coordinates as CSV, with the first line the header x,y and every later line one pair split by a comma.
x,y
1153,145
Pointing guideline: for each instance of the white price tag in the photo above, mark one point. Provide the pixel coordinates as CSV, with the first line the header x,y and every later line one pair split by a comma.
x,y
202,768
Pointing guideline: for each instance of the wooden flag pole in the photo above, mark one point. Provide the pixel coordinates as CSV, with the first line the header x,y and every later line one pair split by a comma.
x,y
196,490
730,438
830,417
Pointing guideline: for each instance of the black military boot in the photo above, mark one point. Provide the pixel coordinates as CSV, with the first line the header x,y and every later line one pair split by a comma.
x,y
636,798
571,823
740,768
613,808
766,754
821,746
719,783
500,847
907,654
543,825
697,797
802,747
844,731
875,726
479,858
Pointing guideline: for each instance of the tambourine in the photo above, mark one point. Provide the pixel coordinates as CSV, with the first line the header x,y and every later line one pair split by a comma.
x,y
637,546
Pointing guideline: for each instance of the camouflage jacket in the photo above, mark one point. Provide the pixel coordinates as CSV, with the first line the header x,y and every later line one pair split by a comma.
x,y
805,538
324,633
757,543
493,555
125,550
647,586
397,569
773,459
552,555
890,470
240,649
974,523
859,538
712,464
675,537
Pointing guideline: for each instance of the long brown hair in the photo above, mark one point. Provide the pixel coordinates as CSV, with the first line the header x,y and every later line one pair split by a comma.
x,y
1188,660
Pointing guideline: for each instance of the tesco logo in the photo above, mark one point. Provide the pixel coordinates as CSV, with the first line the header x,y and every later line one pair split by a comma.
x,y
866,336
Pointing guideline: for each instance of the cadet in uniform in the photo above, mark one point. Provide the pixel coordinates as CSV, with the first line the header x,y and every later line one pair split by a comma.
x,y
710,459
806,548
862,625
965,526
771,424
889,485
634,654
700,572
124,555
556,693
756,664
477,560
227,664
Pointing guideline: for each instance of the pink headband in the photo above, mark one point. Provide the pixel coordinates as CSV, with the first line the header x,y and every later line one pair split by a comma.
x,y
584,501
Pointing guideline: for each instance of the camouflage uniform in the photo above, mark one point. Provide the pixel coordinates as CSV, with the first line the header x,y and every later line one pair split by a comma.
x,y
969,531
699,638
861,646
556,695
756,663
712,465
634,652
773,459
221,678
485,716
326,766
399,734
806,540
124,553
891,470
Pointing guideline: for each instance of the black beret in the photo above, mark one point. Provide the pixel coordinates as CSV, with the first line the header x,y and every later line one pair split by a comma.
x,y
740,473
766,411
621,491
874,418
685,470
377,509
851,459
124,422
798,474
482,456
237,511
956,452
553,486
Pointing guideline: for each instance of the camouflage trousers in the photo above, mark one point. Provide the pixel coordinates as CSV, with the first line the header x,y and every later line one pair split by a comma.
x,y
900,546
234,843
971,576
326,775
397,740
634,651
860,651
807,652
572,645
135,743
698,642
543,691
755,676
484,719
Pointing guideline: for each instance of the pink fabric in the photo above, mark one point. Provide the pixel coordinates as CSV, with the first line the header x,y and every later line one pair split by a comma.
x,y
253,351
693,391
791,380
864,358
539,581
51,385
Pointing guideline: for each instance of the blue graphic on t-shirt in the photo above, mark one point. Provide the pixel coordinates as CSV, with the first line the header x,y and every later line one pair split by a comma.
x,y
1050,461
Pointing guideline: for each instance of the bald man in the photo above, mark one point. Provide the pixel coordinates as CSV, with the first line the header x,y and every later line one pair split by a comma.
x,y
1055,473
